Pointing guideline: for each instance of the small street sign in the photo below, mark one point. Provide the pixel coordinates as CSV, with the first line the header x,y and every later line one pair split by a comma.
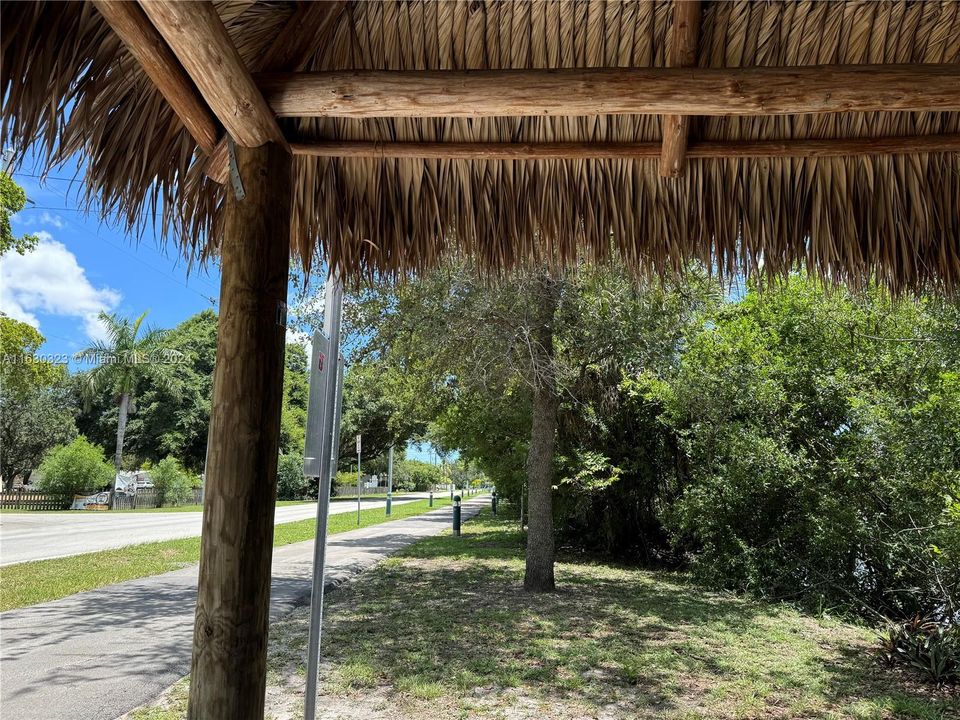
x,y
315,407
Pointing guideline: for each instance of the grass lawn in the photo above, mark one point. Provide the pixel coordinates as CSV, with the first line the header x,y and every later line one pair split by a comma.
x,y
444,630
35,582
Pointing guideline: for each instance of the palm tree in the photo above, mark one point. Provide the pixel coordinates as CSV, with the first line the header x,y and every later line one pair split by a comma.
x,y
124,359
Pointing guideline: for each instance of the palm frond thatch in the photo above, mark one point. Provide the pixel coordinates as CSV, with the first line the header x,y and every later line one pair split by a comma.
x,y
895,219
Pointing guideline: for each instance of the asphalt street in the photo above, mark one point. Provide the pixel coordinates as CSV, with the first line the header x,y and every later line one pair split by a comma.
x,y
99,654
40,535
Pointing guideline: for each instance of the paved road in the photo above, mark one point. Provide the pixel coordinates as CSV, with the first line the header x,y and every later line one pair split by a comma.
x,y
39,535
99,654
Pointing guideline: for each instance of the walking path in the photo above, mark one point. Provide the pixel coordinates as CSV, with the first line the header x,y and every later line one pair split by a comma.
x,y
40,536
99,654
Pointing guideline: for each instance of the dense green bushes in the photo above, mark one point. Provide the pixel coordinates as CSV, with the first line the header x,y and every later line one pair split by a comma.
x,y
76,468
806,447
173,485
291,484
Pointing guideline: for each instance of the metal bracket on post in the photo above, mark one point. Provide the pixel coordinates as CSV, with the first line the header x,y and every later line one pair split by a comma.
x,y
235,181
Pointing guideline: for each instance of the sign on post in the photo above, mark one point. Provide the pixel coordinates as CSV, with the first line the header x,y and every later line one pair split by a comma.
x,y
316,406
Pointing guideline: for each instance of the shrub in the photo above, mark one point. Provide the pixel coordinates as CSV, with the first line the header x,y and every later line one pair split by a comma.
x,y
79,467
416,475
924,645
173,485
291,484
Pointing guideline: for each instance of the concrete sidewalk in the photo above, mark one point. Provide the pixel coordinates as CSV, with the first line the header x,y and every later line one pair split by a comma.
x,y
99,654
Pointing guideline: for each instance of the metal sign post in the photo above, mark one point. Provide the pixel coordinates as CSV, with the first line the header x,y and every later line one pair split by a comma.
x,y
358,481
323,414
390,481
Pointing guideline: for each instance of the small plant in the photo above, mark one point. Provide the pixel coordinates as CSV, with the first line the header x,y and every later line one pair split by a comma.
x,y
922,643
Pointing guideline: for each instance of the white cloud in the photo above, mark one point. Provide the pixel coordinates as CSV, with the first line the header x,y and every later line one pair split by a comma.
x,y
49,280
55,220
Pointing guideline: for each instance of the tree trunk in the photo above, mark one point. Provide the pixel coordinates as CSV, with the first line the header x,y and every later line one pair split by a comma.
x,y
539,571
540,547
229,667
121,429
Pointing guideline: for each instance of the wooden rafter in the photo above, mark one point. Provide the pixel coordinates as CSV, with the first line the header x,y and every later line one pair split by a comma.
x,y
198,38
304,32
803,148
146,45
603,91
682,52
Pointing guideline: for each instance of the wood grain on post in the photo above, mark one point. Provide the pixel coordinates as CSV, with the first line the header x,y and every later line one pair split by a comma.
x,y
228,672
149,49
682,52
195,33
605,91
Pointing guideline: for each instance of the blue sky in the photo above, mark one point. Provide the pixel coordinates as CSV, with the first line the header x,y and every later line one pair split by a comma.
x,y
83,265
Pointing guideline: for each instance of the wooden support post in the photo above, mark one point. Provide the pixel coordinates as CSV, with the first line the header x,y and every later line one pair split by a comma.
x,y
233,603
684,36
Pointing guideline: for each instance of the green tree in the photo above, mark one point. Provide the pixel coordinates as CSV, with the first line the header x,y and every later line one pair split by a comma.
x,y
374,406
504,370
35,410
75,468
172,418
296,395
12,200
124,360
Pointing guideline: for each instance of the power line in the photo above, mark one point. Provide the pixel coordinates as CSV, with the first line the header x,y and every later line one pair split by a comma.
x,y
209,298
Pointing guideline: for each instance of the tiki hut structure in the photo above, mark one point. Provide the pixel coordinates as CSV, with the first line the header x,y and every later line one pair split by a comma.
x,y
381,136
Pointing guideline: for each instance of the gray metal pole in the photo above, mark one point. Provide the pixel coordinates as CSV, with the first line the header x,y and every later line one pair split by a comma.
x,y
358,481
336,420
390,481
333,381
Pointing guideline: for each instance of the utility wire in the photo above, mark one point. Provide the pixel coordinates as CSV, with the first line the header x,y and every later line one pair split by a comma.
x,y
209,298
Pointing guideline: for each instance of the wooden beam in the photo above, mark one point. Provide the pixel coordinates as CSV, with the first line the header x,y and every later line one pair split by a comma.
x,y
605,91
228,672
682,52
149,49
839,147
303,33
196,35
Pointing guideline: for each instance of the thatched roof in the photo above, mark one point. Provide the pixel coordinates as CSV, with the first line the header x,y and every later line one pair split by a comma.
x,y
70,82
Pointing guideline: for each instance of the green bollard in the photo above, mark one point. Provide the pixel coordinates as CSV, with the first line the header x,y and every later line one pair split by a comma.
x,y
493,502
431,499
389,503
456,515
